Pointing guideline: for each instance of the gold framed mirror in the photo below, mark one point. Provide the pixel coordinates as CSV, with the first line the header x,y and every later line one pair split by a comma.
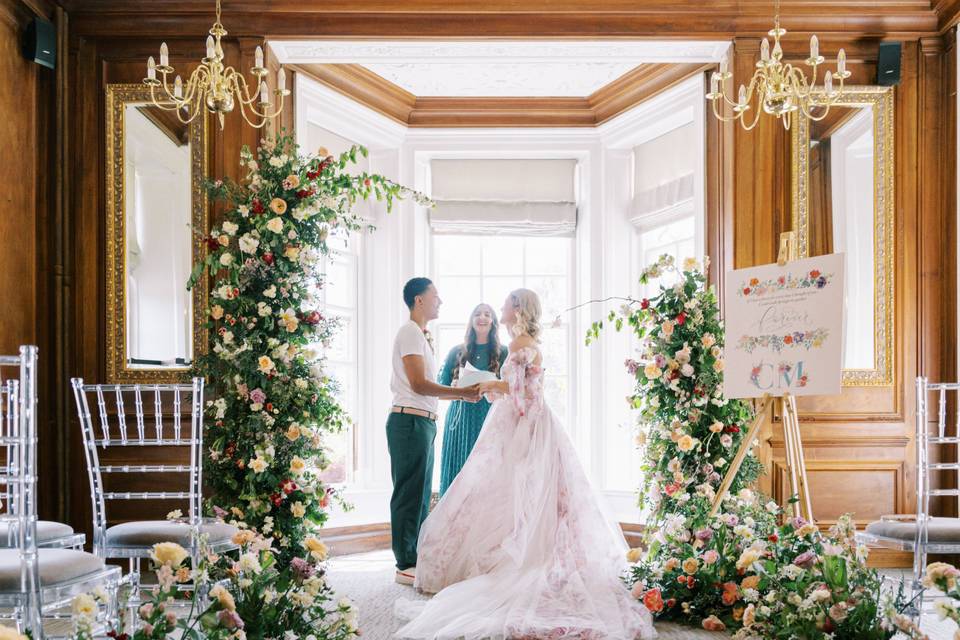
x,y
155,168
834,211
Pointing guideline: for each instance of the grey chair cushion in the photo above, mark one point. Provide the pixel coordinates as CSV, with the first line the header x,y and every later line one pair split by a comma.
x,y
147,533
940,530
57,566
46,531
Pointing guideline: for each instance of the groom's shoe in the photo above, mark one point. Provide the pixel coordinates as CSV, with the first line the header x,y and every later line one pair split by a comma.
x,y
407,576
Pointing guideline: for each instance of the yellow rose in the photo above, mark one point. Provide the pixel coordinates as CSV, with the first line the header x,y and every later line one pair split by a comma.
x,y
807,529
670,564
293,433
748,557
224,597
216,312
297,465
652,371
691,264
686,442
708,340
275,224
634,555
298,510
291,253
323,152
84,605
690,566
265,364
667,328
316,548
278,205
718,366
243,537
169,553
258,464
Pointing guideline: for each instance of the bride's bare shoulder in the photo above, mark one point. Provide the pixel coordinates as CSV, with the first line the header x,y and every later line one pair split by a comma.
x,y
526,342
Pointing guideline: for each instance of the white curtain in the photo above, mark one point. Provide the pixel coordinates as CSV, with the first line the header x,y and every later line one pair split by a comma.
x,y
664,169
507,197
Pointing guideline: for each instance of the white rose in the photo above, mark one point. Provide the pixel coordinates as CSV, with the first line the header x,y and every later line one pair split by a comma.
x,y
226,259
270,292
230,228
249,244
263,309
276,161
275,224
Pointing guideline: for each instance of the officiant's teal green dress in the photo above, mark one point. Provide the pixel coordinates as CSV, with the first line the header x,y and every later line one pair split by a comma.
x,y
464,419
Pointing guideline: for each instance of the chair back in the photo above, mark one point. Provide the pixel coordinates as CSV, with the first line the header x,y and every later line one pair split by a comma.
x,y
153,422
18,474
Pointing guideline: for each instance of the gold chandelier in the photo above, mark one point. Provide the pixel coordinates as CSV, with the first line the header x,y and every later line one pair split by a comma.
x,y
779,89
216,87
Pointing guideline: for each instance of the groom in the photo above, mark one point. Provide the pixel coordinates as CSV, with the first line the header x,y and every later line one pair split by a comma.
x,y
412,426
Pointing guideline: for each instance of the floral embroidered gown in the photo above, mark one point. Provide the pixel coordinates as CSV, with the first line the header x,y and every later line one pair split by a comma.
x,y
519,547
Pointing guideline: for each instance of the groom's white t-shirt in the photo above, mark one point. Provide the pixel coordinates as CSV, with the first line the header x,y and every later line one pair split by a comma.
x,y
411,341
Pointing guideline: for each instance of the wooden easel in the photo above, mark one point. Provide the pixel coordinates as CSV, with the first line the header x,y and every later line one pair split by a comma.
x,y
796,466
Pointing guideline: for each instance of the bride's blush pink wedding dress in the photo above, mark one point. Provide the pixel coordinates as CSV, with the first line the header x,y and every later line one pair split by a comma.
x,y
518,548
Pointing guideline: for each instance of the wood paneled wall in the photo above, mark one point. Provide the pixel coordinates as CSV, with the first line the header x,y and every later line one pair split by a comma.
x,y
859,445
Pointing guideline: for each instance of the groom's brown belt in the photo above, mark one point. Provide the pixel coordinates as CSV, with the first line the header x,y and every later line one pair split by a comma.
x,y
414,412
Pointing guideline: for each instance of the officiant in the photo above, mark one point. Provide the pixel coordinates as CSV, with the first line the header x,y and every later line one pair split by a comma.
x,y
480,350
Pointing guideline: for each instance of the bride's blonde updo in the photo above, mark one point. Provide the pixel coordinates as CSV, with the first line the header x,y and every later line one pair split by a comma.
x,y
526,304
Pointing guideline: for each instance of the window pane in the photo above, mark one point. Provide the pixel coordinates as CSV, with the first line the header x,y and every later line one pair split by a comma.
x,y
548,256
497,288
503,256
340,288
553,345
341,345
555,394
457,255
460,294
554,297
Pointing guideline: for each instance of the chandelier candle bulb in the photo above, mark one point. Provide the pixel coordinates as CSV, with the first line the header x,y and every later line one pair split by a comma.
x,y
765,51
264,95
714,85
281,80
742,96
258,56
211,51
178,88
842,62
151,69
164,57
828,83
814,47
723,68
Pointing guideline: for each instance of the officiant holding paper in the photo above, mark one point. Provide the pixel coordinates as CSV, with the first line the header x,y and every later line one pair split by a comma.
x,y
478,359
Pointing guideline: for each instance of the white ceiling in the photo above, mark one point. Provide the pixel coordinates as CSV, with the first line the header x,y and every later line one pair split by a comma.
x,y
501,78
499,68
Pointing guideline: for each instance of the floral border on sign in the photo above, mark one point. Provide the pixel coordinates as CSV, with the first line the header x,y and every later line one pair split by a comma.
x,y
758,288
807,339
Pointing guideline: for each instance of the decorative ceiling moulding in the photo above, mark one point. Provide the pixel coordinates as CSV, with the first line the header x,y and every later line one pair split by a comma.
x,y
367,88
453,19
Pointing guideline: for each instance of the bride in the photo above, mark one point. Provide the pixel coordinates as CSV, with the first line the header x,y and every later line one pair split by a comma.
x,y
518,547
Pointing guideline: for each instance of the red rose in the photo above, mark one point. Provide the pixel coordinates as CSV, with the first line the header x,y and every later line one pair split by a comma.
x,y
304,193
681,317
367,182
212,243
268,258
313,317
773,537
288,486
653,601
258,206
312,175
746,291
671,602
276,499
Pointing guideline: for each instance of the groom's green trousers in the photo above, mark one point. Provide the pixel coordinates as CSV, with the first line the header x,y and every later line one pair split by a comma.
x,y
410,442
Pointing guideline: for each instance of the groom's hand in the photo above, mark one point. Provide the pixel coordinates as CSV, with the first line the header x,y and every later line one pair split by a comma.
x,y
471,393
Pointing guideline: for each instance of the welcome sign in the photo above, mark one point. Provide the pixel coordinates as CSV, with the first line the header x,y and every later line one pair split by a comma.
x,y
784,329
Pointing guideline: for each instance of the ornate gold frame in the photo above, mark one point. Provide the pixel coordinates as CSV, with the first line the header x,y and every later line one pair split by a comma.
x,y
881,101
118,96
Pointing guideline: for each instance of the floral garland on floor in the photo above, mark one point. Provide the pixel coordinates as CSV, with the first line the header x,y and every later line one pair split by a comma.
x,y
740,570
273,400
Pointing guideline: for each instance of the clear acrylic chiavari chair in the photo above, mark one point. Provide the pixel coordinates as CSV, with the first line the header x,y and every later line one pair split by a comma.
x,y
137,439
938,452
36,583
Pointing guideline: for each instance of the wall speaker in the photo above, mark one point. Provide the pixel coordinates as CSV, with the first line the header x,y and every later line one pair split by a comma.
x,y
40,42
888,64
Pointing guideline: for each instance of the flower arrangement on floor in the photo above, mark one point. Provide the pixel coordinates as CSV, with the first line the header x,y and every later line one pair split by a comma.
x,y
688,431
273,400
741,570
941,576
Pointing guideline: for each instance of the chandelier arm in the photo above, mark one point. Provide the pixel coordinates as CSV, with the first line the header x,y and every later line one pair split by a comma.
x,y
160,104
262,118
243,89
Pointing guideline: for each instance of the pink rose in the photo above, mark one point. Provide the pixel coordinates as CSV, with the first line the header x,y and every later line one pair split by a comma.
x,y
257,395
710,556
